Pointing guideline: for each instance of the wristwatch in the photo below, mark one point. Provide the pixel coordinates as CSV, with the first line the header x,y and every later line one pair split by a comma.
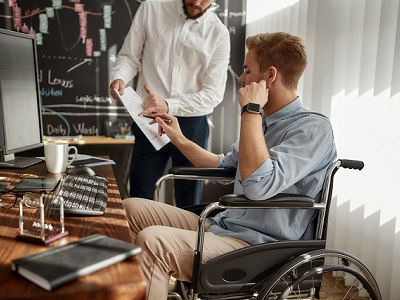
x,y
253,108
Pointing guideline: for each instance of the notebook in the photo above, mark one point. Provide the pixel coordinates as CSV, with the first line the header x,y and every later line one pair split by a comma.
x,y
59,265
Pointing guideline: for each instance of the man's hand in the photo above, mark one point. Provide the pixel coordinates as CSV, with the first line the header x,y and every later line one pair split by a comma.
x,y
197,155
153,104
171,129
255,92
118,85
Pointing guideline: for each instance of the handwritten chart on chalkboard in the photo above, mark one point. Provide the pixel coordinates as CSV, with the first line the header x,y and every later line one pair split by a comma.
x,y
76,41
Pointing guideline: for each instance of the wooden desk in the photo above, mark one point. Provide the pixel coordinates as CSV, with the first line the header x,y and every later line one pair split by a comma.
x,y
100,140
120,281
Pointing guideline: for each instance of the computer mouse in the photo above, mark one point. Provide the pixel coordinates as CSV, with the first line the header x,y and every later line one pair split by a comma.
x,y
82,170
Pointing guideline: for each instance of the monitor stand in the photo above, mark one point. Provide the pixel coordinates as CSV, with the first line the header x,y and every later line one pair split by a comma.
x,y
20,162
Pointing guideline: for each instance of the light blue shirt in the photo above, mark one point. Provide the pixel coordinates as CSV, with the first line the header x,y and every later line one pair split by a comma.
x,y
302,147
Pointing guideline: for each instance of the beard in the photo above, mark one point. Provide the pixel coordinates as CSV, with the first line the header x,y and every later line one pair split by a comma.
x,y
195,16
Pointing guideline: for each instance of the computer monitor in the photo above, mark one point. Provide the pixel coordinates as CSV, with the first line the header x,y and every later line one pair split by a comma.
x,y
20,103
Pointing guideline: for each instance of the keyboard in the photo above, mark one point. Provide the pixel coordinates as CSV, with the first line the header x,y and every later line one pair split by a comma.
x,y
83,195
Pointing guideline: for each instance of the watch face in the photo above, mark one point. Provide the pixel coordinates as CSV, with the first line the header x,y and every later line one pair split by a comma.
x,y
253,107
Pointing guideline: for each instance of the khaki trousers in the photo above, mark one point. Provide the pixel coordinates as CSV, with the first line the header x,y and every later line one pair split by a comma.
x,y
167,236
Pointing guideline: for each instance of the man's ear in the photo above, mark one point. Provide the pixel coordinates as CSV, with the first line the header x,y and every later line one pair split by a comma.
x,y
270,75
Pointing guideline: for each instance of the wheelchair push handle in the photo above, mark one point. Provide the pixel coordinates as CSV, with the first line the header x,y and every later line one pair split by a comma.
x,y
352,164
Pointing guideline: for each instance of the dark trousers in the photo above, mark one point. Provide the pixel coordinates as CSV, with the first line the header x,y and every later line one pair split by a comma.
x,y
148,165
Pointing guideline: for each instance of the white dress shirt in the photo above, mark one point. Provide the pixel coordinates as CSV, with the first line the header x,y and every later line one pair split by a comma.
x,y
183,61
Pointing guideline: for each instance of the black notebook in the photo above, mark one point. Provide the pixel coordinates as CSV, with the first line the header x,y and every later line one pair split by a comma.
x,y
56,266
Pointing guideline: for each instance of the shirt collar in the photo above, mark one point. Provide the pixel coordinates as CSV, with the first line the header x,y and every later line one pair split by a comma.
x,y
285,111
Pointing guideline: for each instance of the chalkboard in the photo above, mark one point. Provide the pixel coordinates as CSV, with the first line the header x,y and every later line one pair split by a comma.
x,y
77,42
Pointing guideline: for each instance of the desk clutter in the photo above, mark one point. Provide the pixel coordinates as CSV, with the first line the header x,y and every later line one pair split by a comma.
x,y
119,280
58,265
41,214
37,226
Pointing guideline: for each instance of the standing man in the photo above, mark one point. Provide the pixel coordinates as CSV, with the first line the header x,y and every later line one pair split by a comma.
x,y
180,51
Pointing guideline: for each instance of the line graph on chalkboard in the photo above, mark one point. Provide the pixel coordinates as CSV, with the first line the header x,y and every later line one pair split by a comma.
x,y
41,18
75,41
78,41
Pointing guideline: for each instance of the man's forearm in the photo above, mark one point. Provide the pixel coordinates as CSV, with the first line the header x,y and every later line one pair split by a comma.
x,y
253,151
198,156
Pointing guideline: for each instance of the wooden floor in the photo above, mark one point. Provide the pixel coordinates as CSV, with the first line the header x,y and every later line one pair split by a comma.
x,y
341,292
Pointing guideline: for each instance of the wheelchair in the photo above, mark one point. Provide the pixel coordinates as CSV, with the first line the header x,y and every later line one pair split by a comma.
x,y
288,269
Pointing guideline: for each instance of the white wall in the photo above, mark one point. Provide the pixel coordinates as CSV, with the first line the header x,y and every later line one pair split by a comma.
x,y
353,77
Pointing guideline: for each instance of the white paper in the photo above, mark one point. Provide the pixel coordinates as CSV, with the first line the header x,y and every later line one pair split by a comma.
x,y
91,161
88,160
134,104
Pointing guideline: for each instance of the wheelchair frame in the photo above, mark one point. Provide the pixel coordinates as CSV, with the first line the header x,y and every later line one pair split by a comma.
x,y
297,268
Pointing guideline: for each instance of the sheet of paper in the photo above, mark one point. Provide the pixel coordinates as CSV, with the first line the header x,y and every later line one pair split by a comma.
x,y
87,160
134,104
91,161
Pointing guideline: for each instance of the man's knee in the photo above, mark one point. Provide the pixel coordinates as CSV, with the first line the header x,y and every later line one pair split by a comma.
x,y
150,238
133,205
134,208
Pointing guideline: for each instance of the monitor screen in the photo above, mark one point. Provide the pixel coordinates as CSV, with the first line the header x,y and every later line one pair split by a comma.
x,y
20,104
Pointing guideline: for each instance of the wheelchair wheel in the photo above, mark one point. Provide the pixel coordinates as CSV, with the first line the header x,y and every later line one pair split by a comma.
x,y
322,274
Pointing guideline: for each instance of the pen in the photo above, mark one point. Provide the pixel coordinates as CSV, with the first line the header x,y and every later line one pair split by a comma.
x,y
151,117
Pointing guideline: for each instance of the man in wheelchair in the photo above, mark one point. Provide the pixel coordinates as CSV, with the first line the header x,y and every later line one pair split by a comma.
x,y
283,148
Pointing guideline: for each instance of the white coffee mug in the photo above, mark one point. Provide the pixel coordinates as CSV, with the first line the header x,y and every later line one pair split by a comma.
x,y
56,156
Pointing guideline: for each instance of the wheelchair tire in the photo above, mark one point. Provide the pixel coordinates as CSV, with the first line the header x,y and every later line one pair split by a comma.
x,y
322,274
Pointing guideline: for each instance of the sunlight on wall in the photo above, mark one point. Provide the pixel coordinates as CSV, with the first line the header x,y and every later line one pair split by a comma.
x,y
371,140
353,77
257,9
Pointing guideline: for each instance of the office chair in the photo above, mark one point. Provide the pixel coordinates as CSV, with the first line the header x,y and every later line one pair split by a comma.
x,y
290,269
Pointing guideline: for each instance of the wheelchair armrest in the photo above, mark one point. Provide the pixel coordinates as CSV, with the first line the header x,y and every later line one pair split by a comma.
x,y
221,175
212,172
278,201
